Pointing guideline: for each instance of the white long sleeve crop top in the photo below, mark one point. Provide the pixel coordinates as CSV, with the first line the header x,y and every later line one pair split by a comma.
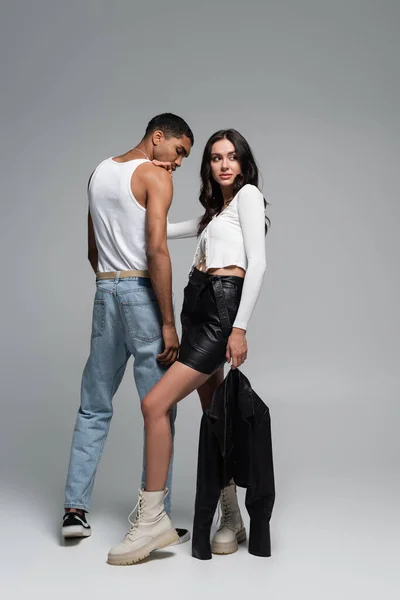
x,y
234,237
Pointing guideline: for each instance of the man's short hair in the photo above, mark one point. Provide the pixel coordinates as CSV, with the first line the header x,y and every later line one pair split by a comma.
x,y
171,125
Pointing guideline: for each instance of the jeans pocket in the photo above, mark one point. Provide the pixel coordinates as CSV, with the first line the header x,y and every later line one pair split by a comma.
x,y
143,317
98,319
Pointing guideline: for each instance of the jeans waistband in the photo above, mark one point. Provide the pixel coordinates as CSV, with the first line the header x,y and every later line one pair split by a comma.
x,y
122,274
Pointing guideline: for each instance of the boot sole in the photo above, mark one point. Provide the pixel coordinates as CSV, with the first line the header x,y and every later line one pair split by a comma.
x,y
161,541
229,547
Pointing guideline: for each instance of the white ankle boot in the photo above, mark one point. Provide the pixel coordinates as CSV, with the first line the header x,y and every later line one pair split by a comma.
x,y
231,531
152,529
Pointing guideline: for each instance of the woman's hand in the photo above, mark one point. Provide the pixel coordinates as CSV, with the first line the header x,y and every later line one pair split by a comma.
x,y
168,166
236,348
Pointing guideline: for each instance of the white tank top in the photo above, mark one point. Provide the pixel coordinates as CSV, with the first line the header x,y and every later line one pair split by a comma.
x,y
118,218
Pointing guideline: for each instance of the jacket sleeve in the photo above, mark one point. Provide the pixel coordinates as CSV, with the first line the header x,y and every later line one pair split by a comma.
x,y
260,495
209,476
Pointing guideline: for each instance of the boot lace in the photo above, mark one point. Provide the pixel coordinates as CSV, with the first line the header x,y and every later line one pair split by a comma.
x,y
224,509
140,508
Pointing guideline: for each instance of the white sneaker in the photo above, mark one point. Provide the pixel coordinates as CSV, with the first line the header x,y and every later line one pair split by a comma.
x,y
152,529
231,531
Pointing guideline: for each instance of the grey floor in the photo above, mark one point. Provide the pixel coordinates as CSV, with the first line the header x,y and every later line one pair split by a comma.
x,y
335,540
335,526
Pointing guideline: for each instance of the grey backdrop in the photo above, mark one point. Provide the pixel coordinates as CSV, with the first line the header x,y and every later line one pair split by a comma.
x,y
314,86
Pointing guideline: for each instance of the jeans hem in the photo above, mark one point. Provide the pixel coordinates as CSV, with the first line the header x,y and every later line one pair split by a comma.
x,y
76,505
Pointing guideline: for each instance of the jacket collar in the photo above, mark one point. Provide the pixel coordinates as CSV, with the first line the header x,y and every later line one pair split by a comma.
x,y
237,387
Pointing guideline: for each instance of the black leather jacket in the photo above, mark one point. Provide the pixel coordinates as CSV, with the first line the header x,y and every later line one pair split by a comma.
x,y
235,441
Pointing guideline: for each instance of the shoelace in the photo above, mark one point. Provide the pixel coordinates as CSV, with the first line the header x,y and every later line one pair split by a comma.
x,y
139,508
224,509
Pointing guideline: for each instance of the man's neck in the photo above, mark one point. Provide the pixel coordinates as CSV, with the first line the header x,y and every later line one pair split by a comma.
x,y
144,148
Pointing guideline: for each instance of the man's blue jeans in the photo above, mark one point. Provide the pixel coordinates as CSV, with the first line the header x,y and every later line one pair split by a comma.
x,y
126,321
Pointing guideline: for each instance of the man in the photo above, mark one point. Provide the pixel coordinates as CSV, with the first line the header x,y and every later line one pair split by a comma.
x,y
129,198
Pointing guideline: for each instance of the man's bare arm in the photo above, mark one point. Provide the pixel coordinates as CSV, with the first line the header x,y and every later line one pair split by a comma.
x,y
158,184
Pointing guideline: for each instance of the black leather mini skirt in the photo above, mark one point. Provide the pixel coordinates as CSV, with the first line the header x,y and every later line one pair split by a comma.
x,y
210,304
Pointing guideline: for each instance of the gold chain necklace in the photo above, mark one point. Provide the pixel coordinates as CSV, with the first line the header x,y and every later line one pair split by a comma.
x,y
139,150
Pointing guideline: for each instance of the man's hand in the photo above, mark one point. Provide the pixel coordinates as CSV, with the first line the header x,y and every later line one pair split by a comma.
x,y
171,345
168,166
236,348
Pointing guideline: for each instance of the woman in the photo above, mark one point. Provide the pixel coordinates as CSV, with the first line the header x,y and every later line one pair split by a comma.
x,y
224,284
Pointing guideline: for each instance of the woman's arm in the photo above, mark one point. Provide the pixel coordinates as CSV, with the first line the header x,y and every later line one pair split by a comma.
x,y
252,220
184,229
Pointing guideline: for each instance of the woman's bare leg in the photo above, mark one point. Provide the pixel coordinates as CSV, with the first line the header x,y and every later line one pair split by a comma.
x,y
206,391
178,382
